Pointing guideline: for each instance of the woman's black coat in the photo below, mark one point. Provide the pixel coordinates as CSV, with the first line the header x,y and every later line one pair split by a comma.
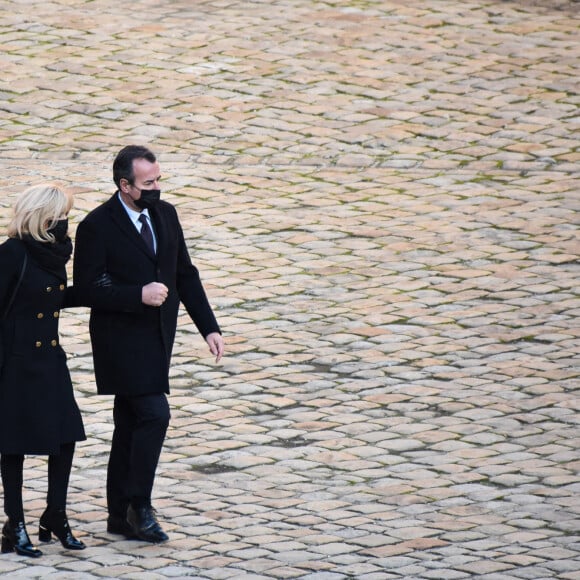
x,y
38,411
131,342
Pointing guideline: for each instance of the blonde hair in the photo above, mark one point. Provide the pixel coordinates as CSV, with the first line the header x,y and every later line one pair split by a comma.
x,y
37,209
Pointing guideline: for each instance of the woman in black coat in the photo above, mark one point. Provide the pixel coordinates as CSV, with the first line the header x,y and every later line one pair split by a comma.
x,y
38,412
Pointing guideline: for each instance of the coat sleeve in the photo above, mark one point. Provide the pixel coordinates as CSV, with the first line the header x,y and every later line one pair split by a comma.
x,y
191,291
71,298
94,285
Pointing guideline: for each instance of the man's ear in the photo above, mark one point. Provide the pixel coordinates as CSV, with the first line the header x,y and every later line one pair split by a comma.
x,y
124,185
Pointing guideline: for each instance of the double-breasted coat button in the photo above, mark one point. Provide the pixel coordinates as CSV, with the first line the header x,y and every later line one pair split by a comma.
x,y
38,344
49,288
40,315
61,287
53,342
55,314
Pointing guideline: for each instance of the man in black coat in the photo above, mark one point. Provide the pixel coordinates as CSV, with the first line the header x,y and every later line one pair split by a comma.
x,y
131,266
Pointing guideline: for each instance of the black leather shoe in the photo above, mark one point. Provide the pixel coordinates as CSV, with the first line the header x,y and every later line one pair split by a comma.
x,y
15,538
145,525
54,521
120,526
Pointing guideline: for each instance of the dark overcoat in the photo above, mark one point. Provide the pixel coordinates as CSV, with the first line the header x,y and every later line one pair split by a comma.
x,y
38,412
132,342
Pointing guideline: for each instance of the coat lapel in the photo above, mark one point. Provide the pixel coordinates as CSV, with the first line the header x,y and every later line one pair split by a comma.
x,y
123,222
159,228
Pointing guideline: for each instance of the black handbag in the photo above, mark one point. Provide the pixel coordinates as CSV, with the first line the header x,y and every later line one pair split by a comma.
x,y
9,305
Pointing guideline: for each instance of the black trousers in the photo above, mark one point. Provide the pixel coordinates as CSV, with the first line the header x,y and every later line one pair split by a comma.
x,y
140,427
12,467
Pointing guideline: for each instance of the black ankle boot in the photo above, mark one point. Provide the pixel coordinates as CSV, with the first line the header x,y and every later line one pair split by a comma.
x,y
15,539
55,522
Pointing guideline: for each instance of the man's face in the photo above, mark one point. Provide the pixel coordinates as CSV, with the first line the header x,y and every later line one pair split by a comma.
x,y
147,176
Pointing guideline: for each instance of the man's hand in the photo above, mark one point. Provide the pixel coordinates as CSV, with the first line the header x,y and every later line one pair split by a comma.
x,y
216,345
154,294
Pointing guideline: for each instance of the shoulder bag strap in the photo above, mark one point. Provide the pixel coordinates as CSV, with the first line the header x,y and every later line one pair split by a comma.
x,y
15,291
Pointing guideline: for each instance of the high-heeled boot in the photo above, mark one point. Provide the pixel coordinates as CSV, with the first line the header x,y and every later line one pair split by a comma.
x,y
54,521
15,538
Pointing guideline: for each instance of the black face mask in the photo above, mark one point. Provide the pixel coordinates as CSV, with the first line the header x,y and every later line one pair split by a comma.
x,y
59,230
149,198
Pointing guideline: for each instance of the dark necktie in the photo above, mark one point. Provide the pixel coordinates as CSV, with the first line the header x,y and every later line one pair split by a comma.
x,y
146,233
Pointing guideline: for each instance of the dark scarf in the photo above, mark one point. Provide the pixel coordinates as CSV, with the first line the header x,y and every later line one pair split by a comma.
x,y
51,257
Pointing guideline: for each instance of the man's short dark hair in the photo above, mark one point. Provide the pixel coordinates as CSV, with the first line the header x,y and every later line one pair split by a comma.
x,y
123,164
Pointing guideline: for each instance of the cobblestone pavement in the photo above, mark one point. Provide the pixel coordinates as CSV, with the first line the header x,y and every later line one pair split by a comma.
x,y
382,197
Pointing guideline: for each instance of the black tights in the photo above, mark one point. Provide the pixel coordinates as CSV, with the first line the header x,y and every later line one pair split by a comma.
x,y
59,467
